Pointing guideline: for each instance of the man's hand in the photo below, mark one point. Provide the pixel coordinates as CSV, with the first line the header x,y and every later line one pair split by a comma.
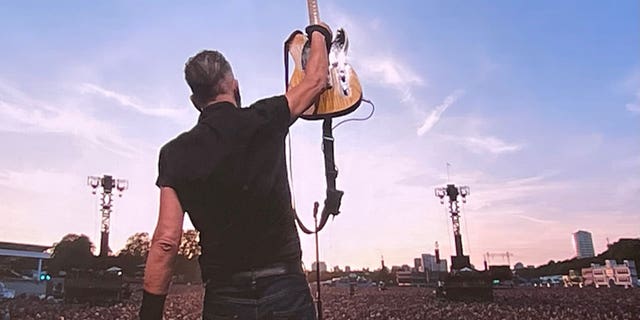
x,y
316,73
323,29
326,26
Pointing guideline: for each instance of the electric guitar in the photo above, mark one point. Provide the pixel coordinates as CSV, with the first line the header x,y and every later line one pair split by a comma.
x,y
345,92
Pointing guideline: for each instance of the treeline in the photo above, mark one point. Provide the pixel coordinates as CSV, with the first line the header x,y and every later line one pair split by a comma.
x,y
76,252
623,249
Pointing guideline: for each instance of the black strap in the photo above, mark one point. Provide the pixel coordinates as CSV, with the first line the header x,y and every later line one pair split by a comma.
x,y
324,31
334,196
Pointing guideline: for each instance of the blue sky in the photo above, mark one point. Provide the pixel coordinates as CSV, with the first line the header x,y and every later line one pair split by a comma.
x,y
535,104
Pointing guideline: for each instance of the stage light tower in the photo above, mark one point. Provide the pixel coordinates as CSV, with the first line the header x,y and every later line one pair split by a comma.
x,y
107,183
458,261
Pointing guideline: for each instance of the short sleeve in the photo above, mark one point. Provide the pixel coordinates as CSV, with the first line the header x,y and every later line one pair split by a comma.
x,y
275,112
167,175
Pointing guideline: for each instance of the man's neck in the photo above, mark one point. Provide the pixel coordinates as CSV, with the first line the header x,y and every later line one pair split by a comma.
x,y
222,98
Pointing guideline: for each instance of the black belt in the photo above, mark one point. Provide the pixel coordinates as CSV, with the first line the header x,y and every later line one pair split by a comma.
x,y
257,273
269,271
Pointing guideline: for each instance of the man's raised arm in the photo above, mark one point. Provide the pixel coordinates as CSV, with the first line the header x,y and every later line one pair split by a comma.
x,y
315,79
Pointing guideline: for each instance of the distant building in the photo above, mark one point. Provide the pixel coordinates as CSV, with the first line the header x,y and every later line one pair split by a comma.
x,y
583,244
347,269
429,263
337,269
404,267
323,266
21,269
29,254
417,265
611,274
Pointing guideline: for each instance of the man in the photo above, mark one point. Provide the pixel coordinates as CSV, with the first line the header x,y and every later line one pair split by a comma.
x,y
229,174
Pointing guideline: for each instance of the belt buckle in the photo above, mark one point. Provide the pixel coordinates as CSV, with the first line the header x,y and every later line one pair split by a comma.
x,y
253,280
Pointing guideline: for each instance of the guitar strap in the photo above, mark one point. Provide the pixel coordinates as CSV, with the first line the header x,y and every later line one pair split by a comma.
x,y
333,196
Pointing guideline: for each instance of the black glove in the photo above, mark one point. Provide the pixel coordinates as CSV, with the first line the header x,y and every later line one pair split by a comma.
x,y
152,306
323,30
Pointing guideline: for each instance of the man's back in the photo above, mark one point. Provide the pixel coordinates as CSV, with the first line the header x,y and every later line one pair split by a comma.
x,y
229,172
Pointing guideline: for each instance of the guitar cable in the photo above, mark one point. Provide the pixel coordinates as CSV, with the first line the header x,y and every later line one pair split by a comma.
x,y
293,198
292,190
286,83
373,109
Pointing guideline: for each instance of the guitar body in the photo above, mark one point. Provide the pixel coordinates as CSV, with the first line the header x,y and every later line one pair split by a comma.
x,y
345,92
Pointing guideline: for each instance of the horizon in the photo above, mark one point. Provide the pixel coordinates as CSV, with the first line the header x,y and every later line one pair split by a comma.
x,y
330,266
536,106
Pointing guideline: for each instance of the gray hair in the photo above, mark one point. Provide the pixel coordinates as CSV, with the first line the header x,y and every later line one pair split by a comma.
x,y
204,73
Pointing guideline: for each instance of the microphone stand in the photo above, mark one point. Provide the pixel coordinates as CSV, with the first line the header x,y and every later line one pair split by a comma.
x,y
318,296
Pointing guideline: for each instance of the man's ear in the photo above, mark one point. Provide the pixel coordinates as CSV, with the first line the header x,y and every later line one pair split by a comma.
x,y
195,103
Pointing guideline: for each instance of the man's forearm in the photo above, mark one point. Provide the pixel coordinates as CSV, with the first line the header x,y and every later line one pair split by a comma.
x,y
162,255
318,64
159,266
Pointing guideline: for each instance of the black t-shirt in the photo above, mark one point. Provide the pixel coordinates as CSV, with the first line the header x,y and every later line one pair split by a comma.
x,y
229,172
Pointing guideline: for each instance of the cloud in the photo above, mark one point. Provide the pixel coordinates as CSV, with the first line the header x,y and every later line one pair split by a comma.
x,y
634,107
389,70
39,181
434,116
630,85
488,144
20,113
532,219
131,102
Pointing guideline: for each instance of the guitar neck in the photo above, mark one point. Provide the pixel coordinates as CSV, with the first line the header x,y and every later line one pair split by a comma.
x,y
314,15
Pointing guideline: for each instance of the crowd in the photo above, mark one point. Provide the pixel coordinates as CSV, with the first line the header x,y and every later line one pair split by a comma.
x,y
185,303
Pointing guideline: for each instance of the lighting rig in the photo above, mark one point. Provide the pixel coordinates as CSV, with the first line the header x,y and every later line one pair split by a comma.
x,y
452,192
107,184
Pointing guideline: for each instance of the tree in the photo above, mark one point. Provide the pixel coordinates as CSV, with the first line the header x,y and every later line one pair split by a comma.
x,y
187,269
137,245
134,253
73,251
189,246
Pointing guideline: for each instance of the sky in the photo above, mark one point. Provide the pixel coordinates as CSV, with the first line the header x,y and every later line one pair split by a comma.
x,y
536,106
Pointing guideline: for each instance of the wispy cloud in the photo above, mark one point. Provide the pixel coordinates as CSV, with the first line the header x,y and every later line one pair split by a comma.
x,y
24,181
20,113
634,107
533,219
520,192
630,85
388,69
436,113
131,102
488,144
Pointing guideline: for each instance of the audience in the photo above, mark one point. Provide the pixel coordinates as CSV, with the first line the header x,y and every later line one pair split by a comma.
x,y
184,303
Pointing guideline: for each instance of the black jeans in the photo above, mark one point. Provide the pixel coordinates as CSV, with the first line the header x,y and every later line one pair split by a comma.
x,y
279,297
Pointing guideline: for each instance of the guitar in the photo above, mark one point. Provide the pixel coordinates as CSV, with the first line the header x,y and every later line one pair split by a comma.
x,y
345,92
